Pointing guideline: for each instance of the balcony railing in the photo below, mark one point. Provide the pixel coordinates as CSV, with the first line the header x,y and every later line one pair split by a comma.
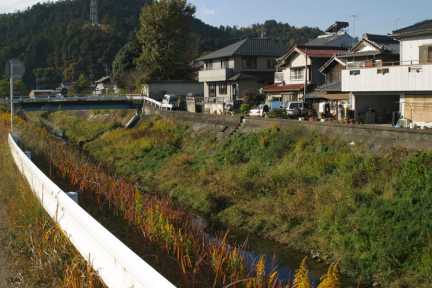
x,y
375,64
408,76
212,100
215,75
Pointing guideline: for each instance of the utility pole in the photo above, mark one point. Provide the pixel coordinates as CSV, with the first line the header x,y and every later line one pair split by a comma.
x,y
16,70
94,19
305,75
11,79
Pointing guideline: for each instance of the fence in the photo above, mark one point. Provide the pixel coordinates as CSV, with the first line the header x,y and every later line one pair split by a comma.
x,y
115,263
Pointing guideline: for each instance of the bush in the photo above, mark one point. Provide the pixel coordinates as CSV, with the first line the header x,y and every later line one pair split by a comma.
x,y
244,108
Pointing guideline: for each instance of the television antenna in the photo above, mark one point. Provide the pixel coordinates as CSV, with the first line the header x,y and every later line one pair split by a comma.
x,y
354,21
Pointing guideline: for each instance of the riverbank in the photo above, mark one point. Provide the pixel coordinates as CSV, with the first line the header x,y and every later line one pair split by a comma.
x,y
304,190
38,254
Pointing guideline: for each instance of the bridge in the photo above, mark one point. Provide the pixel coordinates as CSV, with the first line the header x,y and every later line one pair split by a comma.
x,y
85,103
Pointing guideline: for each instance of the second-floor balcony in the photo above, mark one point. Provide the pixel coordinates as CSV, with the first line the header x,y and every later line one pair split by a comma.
x,y
388,77
214,75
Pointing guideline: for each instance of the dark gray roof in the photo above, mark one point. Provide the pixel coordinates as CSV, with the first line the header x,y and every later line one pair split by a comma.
x,y
424,26
242,76
384,42
248,47
332,40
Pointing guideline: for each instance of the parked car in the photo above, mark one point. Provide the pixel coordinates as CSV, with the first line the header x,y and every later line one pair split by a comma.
x,y
259,111
297,109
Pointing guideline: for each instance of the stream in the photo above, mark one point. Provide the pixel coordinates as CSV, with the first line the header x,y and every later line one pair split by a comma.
x,y
285,259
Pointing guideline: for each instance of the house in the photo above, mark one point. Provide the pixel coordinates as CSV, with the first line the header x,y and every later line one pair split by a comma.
x,y
238,71
104,86
369,51
373,50
328,99
42,94
381,91
298,71
182,88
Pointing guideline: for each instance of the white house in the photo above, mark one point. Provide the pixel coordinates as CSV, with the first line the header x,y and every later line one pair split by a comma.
x,y
104,86
381,89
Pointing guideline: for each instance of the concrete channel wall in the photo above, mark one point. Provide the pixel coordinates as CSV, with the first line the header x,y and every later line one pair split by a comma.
x,y
115,263
375,137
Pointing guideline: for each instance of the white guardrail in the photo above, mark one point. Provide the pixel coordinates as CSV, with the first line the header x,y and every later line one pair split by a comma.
x,y
115,263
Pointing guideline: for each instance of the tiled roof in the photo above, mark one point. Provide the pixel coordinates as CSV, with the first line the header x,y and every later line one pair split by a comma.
x,y
418,27
242,76
380,39
283,88
249,47
384,42
332,40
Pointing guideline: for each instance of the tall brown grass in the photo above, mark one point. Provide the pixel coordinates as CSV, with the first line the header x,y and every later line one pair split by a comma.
x,y
39,251
202,262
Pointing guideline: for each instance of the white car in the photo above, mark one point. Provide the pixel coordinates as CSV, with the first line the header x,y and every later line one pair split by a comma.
x,y
259,111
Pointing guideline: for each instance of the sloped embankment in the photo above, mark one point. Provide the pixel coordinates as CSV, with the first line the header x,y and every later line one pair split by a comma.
x,y
369,210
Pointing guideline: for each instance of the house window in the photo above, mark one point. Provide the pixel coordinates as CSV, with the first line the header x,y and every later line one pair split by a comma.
x,y
250,63
223,89
383,71
209,65
429,57
212,89
425,54
224,64
355,72
297,74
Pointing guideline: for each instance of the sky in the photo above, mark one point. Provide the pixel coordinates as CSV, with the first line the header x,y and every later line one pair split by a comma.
x,y
373,16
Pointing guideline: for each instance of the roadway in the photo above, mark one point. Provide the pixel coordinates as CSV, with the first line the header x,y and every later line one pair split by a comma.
x,y
84,103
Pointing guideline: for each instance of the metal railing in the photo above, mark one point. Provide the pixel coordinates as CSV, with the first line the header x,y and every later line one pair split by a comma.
x,y
379,64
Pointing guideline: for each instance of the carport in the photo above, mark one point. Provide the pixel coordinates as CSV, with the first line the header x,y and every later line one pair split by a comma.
x,y
377,108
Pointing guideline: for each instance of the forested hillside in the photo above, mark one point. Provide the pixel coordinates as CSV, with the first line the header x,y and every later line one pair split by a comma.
x,y
59,36
57,42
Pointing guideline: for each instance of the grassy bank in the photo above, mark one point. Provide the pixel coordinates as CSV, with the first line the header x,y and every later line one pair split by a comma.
x,y
370,211
39,254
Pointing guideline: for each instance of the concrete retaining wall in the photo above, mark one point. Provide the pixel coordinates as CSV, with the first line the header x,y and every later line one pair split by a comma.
x,y
375,136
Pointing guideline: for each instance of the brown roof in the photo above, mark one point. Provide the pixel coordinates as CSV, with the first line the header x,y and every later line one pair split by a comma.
x,y
283,88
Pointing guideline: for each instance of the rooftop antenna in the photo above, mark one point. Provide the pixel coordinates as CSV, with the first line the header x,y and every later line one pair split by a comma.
x,y
354,17
397,22
94,12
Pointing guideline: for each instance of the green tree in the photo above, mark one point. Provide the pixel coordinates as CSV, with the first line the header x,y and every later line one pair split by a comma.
x,y
4,88
124,64
19,88
82,85
166,40
47,78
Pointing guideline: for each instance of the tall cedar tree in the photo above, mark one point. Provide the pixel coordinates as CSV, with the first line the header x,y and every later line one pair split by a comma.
x,y
166,40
